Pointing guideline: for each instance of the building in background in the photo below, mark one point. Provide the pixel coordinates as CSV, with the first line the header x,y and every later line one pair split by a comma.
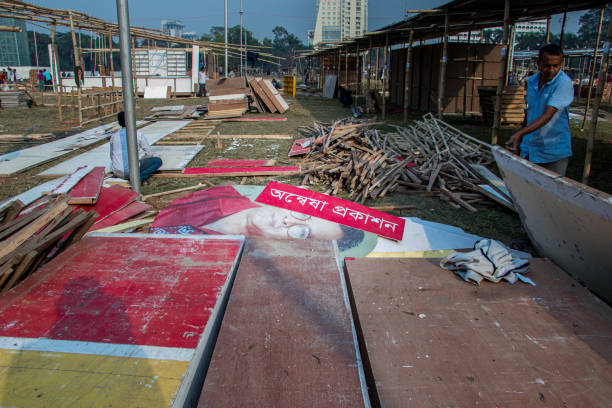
x,y
190,35
14,48
173,27
339,20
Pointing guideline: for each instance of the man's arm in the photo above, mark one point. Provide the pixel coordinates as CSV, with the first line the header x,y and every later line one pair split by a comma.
x,y
515,140
143,144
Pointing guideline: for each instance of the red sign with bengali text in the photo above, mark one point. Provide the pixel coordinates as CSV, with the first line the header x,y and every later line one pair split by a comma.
x,y
332,209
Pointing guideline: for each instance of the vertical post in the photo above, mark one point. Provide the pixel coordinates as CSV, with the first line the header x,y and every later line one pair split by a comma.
x,y
603,72
502,76
547,36
112,67
226,68
77,71
35,48
377,68
563,28
346,78
135,73
407,76
369,79
442,79
511,54
581,77
385,81
466,73
241,12
128,93
592,76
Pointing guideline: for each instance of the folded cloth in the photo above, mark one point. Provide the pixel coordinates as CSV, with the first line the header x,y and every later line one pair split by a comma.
x,y
490,260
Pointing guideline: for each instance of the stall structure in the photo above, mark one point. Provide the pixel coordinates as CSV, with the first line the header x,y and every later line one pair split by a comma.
x,y
420,42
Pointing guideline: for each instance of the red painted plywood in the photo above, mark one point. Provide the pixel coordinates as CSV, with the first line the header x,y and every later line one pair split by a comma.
x,y
110,200
298,147
88,189
235,163
129,290
286,338
122,214
238,170
433,340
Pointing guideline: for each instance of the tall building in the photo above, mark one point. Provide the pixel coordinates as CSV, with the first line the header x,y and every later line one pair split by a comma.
x,y
173,27
14,47
338,20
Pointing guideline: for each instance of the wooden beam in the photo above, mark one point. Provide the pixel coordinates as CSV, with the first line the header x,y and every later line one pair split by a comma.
x,y
442,79
592,75
10,29
407,76
502,76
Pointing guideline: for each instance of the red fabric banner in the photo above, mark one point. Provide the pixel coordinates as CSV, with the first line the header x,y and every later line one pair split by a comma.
x,y
332,209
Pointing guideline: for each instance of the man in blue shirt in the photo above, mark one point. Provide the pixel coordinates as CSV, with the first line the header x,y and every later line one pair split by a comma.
x,y
546,139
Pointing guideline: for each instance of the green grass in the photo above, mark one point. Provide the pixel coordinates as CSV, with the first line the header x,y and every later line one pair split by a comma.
x,y
492,220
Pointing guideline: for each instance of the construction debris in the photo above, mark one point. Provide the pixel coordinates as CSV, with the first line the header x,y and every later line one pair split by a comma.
x,y
14,99
266,97
41,231
430,156
227,98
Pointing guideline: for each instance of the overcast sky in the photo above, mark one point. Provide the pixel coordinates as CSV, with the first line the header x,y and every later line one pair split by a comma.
x,y
261,16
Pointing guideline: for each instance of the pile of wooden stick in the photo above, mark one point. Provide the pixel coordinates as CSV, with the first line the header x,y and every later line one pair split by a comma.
x,y
427,156
31,236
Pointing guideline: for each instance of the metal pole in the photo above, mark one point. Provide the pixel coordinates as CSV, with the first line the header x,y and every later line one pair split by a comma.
x,y
592,76
603,72
128,91
502,76
442,79
241,12
407,76
226,68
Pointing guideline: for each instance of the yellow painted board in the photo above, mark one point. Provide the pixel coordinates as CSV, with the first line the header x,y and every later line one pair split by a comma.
x,y
51,379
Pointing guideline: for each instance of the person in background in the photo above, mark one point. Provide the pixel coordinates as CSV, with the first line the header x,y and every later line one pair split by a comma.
x,y
202,77
545,139
120,165
15,76
41,80
48,79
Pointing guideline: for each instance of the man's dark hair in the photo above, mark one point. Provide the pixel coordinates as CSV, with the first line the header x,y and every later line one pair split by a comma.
x,y
121,118
351,238
550,49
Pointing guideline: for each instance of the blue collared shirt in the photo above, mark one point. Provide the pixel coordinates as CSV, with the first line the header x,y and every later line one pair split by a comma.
x,y
552,141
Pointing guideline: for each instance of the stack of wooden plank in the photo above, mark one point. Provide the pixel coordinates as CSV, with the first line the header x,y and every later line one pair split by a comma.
x,y
266,96
13,99
513,104
31,236
429,157
227,97
175,112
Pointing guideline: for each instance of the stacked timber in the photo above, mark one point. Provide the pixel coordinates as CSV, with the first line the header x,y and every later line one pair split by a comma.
x,y
31,236
13,99
227,97
513,104
430,156
266,97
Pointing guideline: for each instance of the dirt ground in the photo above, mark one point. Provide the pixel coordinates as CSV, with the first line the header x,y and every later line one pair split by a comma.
x,y
492,220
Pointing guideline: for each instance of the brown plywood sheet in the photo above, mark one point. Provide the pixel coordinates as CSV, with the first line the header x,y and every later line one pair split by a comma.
x,y
434,340
286,338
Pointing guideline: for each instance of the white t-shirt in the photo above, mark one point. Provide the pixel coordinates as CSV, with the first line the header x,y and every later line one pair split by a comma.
x,y
202,77
119,152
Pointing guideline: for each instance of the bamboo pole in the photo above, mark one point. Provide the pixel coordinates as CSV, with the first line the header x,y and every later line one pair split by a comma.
x,y
112,68
563,28
369,79
346,71
357,73
592,75
76,72
442,79
385,80
407,76
581,77
547,36
510,52
603,73
466,73
502,76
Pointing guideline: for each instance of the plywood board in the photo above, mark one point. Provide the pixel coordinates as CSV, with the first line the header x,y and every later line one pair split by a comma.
x,y
173,158
286,336
88,189
301,146
14,162
110,200
329,87
274,96
157,92
257,87
122,214
245,171
35,193
567,221
116,320
433,340
238,162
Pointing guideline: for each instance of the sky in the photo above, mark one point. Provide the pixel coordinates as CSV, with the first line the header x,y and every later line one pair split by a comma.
x,y
260,16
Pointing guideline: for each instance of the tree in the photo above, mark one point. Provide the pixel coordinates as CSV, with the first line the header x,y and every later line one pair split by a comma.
x,y
589,22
